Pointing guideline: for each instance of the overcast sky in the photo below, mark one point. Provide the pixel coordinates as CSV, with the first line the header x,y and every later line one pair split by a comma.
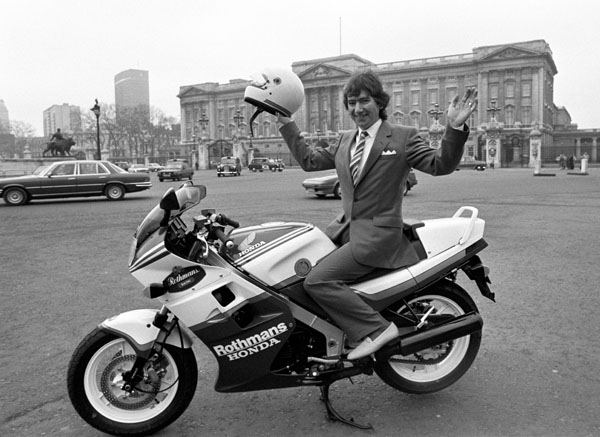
x,y
68,51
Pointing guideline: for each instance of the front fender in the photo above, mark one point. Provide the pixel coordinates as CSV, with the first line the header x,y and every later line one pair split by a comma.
x,y
136,326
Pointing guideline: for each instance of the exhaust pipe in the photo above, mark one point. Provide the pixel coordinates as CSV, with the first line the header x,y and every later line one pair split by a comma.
x,y
460,326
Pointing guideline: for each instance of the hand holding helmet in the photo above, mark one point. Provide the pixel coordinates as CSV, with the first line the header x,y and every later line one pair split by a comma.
x,y
278,91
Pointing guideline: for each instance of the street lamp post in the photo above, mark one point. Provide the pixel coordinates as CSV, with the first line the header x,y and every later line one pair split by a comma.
x,y
238,119
96,110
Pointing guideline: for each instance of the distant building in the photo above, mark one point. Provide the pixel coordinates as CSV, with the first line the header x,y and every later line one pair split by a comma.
x,y
515,83
65,117
132,92
4,120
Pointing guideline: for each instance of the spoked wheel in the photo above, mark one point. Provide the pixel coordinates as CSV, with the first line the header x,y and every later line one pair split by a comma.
x,y
96,380
436,368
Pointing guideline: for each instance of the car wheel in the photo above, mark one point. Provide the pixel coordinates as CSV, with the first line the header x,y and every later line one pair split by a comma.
x,y
191,176
160,179
114,192
337,191
16,196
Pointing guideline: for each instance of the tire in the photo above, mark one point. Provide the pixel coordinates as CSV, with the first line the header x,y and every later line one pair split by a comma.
x,y
160,179
449,361
93,380
337,191
114,192
16,196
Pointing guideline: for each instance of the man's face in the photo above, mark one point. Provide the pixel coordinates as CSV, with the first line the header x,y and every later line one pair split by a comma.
x,y
363,110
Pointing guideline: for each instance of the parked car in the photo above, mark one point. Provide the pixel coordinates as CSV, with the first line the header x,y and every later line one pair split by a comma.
x,y
153,166
473,164
73,179
123,164
329,185
138,168
176,170
261,164
229,166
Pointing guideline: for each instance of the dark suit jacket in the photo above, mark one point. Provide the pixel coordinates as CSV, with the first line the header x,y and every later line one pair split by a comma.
x,y
372,211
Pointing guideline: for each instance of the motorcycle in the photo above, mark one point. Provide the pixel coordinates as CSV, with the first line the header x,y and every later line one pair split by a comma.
x,y
239,290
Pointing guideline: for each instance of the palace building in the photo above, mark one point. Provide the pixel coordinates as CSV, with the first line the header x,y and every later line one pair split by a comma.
x,y
516,103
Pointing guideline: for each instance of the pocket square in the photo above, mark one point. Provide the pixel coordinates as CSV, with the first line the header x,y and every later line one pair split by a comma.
x,y
388,152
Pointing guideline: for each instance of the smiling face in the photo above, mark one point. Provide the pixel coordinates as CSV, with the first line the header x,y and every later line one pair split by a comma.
x,y
363,109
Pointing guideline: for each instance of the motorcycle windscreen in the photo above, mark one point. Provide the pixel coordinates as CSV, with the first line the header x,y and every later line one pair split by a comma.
x,y
172,204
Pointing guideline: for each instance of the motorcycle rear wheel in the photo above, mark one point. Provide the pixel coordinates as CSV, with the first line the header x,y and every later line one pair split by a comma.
x,y
94,382
438,367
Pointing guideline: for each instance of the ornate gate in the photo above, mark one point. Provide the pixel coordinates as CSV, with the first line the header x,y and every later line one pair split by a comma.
x,y
217,150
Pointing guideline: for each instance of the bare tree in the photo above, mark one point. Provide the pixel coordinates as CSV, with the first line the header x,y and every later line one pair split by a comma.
x,y
23,133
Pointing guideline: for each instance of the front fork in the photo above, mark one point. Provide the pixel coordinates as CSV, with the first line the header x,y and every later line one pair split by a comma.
x,y
147,331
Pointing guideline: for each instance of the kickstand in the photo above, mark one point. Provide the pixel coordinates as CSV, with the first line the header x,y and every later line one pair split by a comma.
x,y
334,415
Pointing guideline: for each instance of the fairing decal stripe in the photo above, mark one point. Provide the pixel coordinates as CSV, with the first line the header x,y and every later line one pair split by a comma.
x,y
156,253
271,245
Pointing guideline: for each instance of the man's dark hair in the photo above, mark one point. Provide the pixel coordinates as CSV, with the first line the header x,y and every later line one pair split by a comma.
x,y
369,82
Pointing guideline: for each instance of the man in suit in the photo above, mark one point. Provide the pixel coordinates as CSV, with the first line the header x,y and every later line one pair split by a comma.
x,y
372,164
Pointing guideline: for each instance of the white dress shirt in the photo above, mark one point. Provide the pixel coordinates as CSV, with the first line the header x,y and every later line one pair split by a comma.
x,y
368,143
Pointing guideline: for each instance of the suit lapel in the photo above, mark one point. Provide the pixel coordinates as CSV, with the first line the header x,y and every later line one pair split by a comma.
x,y
379,144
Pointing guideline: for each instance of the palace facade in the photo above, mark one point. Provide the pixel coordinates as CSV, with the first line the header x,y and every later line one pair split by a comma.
x,y
516,99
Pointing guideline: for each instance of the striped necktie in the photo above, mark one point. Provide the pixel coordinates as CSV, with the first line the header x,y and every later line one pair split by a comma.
x,y
356,158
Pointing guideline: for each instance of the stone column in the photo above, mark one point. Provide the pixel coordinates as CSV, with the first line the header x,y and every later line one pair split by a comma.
x,y
594,149
493,145
535,150
203,163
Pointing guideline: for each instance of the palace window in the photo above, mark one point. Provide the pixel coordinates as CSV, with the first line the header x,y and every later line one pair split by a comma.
x,y
493,91
510,90
509,115
398,117
414,98
398,99
526,116
415,118
433,97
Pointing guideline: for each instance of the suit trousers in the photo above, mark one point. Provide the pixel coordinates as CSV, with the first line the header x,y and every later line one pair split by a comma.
x,y
327,284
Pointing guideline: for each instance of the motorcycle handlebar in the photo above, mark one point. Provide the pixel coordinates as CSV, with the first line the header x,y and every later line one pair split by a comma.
x,y
228,242
224,220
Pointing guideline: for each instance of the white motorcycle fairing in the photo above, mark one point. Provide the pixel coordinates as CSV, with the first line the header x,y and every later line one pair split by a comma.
x,y
138,328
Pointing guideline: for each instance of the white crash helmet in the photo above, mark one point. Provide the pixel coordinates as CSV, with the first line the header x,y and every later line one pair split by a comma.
x,y
275,90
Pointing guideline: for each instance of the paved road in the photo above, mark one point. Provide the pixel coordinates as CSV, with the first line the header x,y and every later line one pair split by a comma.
x,y
64,270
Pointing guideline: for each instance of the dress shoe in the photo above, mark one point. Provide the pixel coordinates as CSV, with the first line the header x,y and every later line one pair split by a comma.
x,y
368,346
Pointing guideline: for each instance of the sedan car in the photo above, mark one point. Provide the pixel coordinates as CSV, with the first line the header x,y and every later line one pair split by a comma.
x,y
329,185
154,166
261,164
176,170
138,168
73,179
229,166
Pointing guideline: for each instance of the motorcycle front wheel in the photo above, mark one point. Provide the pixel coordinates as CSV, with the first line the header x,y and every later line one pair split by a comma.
x,y
438,367
95,385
